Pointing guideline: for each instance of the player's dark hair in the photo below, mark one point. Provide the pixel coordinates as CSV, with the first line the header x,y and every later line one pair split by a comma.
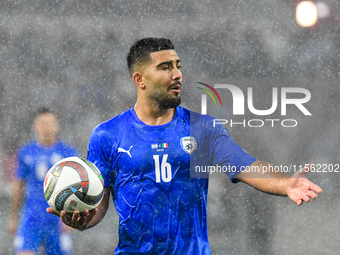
x,y
140,51
44,110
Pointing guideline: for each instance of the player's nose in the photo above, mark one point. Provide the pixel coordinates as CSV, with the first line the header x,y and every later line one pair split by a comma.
x,y
177,74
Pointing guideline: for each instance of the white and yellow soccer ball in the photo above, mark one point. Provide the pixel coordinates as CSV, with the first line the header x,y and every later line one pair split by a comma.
x,y
72,184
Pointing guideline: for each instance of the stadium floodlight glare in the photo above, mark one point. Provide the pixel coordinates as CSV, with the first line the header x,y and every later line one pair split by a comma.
x,y
306,14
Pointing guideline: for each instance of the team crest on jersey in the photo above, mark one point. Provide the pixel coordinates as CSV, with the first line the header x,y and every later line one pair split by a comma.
x,y
189,144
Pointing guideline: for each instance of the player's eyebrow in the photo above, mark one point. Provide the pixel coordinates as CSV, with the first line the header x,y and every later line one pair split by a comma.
x,y
168,62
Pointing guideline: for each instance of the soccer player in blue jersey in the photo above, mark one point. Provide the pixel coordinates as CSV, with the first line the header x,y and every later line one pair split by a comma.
x,y
147,156
36,228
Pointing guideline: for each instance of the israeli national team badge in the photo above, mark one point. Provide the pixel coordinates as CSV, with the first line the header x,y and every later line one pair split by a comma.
x,y
189,144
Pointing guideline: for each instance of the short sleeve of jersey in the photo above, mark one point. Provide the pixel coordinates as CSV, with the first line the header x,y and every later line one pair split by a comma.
x,y
99,153
227,153
22,169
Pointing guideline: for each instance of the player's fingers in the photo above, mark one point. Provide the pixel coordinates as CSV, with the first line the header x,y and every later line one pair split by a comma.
x,y
93,212
83,217
90,216
315,188
305,198
64,218
83,220
312,194
299,202
51,211
75,216
79,219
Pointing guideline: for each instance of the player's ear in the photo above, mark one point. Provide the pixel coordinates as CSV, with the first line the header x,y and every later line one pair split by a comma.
x,y
139,79
35,124
57,126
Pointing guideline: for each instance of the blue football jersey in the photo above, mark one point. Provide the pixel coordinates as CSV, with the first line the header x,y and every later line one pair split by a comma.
x,y
33,162
161,203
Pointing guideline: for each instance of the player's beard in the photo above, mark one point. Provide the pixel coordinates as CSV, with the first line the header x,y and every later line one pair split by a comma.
x,y
169,102
165,102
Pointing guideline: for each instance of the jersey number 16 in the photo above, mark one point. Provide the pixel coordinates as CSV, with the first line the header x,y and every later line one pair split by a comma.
x,y
162,170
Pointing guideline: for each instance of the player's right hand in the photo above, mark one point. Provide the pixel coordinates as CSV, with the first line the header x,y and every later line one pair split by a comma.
x,y
77,220
51,211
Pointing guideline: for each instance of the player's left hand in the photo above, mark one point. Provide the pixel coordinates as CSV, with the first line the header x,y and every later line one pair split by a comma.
x,y
77,220
300,189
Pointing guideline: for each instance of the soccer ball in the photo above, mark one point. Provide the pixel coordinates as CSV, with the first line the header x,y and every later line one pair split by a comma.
x,y
73,184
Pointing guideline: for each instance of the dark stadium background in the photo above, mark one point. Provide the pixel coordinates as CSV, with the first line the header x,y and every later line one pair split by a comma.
x,y
70,56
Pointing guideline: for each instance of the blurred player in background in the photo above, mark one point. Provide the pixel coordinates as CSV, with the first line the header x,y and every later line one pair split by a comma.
x,y
36,229
146,156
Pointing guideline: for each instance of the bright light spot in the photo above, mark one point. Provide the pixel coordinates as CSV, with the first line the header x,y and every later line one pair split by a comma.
x,y
306,14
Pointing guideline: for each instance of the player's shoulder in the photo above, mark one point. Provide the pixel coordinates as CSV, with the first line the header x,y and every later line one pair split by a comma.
x,y
29,146
206,124
195,117
113,125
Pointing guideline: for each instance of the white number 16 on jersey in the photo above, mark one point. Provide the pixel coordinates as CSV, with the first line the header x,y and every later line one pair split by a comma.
x,y
165,167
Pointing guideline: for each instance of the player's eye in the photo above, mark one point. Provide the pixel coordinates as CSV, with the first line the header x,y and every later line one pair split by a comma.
x,y
179,67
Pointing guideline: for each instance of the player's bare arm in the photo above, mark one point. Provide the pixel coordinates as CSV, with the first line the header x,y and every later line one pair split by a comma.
x,y
18,192
86,219
262,176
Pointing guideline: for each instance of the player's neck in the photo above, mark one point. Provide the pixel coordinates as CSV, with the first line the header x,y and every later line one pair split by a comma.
x,y
153,116
47,141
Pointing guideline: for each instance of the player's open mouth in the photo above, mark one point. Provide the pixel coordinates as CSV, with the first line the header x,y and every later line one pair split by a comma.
x,y
176,88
